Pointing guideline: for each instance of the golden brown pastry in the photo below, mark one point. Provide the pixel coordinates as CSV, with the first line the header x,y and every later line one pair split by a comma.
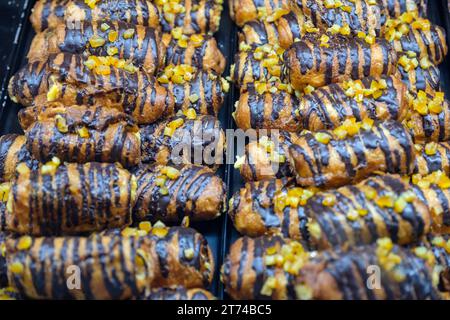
x,y
190,17
267,110
318,60
178,293
193,88
432,157
13,151
351,152
337,275
267,158
245,272
49,13
184,139
410,33
164,258
254,64
282,31
418,76
369,98
254,10
273,268
433,190
171,193
429,118
381,206
359,15
83,134
198,50
70,80
140,45
67,199
259,208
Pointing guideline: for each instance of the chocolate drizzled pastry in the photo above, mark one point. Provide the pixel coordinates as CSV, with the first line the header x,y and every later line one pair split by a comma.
x,y
66,78
50,13
172,193
81,134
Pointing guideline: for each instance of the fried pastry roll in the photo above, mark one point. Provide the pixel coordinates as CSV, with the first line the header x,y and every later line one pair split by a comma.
x,y
140,45
33,260
362,213
432,157
283,31
267,158
50,13
347,216
255,64
419,76
193,88
242,12
409,33
344,275
274,268
311,62
190,17
184,139
84,134
359,15
13,150
67,79
242,281
169,194
267,110
110,267
370,98
70,199
351,152
198,50
182,257
433,190
429,118
178,293
259,208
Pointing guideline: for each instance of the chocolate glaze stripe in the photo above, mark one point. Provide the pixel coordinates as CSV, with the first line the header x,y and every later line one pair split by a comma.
x,y
48,13
107,203
356,18
429,43
306,60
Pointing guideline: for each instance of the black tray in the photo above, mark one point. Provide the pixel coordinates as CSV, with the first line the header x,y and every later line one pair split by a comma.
x,y
16,34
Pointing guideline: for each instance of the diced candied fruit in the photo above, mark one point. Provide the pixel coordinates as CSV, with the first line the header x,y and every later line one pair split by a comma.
x,y
96,41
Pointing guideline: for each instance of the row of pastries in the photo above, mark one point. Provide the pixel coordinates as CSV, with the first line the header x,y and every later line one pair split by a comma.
x,y
351,169
110,90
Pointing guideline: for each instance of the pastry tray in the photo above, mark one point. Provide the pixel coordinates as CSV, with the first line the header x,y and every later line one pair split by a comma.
x,y
16,34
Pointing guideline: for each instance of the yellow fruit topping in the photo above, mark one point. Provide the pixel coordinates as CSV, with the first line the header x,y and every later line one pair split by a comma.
x,y
178,74
128,34
24,243
53,93
61,124
96,41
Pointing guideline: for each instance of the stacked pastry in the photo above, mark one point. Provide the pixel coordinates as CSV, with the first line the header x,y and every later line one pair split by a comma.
x,y
348,198
118,96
